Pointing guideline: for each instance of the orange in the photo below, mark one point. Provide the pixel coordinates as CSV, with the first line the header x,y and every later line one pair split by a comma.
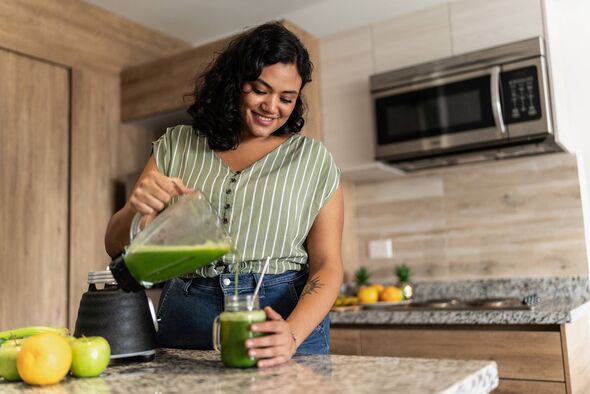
x,y
44,359
368,295
391,293
378,286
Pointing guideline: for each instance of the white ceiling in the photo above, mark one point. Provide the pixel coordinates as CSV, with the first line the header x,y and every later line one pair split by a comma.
x,y
200,21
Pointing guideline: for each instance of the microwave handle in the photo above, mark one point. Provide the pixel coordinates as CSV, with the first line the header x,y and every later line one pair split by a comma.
x,y
496,103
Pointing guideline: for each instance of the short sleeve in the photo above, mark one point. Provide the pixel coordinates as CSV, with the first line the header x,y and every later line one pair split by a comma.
x,y
328,180
161,149
166,149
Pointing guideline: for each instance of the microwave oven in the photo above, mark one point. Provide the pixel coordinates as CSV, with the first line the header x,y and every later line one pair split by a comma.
x,y
489,104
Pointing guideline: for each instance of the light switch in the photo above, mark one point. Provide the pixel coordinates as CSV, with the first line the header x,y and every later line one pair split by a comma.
x,y
380,249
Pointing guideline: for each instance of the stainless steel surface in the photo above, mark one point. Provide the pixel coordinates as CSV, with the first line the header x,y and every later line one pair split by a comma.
x,y
455,304
496,103
412,75
490,143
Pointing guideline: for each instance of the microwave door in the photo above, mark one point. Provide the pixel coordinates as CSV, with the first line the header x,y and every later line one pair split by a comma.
x,y
440,114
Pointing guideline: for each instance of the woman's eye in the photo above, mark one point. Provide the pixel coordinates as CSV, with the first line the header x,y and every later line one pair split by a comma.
x,y
258,91
286,101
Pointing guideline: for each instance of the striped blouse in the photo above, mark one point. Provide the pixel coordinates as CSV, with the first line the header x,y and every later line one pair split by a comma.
x,y
267,208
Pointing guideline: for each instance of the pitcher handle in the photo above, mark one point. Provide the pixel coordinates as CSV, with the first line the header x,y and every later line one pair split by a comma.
x,y
134,229
216,334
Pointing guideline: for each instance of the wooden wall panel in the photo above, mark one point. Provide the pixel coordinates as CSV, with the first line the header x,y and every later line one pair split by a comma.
x,y
104,153
95,122
77,34
34,130
511,218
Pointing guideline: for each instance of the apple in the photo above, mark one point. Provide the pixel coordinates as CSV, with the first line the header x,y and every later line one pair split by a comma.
x,y
8,352
90,356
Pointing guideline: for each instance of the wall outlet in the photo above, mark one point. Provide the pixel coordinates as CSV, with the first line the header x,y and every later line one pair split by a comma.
x,y
380,249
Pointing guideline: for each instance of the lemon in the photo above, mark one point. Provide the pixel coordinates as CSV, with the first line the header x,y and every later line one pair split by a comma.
x,y
368,295
44,359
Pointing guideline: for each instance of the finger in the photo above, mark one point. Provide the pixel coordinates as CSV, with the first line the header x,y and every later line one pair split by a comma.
x,y
180,187
150,200
268,341
272,314
140,207
270,326
166,184
269,362
268,352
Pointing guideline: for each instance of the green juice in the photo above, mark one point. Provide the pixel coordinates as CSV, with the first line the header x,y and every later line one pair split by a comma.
x,y
153,263
235,330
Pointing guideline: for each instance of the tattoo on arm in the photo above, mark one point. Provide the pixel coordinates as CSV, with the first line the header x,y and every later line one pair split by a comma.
x,y
312,286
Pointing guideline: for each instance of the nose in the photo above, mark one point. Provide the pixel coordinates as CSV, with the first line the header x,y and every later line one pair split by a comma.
x,y
270,104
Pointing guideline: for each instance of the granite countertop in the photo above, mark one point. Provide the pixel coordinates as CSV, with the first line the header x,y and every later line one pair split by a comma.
x,y
183,371
563,300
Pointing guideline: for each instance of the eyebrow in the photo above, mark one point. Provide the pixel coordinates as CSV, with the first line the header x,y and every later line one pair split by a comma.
x,y
268,85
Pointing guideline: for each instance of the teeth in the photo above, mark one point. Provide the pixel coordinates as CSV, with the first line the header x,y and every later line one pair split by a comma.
x,y
264,117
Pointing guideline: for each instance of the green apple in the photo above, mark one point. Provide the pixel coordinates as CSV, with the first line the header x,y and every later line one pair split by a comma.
x,y
90,356
8,352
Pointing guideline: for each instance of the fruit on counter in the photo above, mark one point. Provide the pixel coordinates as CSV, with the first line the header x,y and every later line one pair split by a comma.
x,y
378,286
344,300
24,332
44,359
90,356
368,295
361,277
391,294
8,353
403,273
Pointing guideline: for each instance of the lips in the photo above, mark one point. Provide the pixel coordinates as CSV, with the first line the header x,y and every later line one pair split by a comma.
x,y
263,120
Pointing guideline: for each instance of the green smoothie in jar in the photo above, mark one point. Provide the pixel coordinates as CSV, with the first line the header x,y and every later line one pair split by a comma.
x,y
231,330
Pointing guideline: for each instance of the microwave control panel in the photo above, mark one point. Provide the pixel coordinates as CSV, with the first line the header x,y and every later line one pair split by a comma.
x,y
520,95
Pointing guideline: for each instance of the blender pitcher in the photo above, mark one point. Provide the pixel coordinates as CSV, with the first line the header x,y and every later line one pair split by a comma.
x,y
185,236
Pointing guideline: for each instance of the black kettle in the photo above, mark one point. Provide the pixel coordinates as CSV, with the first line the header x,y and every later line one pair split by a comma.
x,y
126,320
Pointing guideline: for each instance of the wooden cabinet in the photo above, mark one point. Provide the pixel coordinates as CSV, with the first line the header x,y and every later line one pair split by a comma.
x,y
412,39
533,358
35,135
478,24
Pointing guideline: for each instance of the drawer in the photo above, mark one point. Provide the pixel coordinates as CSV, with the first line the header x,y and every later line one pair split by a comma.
x,y
520,354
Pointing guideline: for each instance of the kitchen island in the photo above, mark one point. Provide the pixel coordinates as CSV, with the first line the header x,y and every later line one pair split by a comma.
x,y
185,371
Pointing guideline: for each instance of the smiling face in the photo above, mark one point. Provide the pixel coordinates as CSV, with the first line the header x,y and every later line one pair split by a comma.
x,y
267,102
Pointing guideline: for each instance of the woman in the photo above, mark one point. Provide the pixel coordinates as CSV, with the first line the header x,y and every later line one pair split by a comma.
x,y
276,191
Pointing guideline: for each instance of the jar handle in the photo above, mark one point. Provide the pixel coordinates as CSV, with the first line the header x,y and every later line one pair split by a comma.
x,y
216,334
134,229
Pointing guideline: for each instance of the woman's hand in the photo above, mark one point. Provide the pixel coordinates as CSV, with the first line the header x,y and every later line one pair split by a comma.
x,y
278,346
154,191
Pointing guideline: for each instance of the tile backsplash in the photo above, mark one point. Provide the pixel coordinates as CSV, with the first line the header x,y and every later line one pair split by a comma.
x,y
512,218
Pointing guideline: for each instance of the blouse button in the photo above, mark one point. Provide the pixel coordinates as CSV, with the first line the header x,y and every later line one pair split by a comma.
x,y
227,206
232,180
224,220
228,191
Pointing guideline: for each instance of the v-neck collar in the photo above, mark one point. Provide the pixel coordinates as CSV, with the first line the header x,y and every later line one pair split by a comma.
x,y
251,165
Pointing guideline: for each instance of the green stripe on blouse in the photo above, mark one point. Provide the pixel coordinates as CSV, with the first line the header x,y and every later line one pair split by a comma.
x,y
268,208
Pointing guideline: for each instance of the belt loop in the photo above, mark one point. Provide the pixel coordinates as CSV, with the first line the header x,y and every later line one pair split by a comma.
x,y
187,285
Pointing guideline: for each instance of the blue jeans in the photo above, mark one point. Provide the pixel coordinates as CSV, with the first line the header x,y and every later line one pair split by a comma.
x,y
188,307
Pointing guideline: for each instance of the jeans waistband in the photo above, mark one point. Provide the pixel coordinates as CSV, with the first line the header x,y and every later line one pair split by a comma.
x,y
246,281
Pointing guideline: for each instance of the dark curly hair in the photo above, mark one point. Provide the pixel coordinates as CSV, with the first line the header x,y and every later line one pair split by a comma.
x,y
216,107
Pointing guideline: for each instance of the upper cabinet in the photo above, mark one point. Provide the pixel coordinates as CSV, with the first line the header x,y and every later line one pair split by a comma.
x,y
478,24
416,38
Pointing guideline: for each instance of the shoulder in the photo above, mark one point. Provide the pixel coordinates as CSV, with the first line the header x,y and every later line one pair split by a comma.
x,y
309,147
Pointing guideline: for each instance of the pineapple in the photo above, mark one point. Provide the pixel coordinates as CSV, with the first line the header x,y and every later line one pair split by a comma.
x,y
361,277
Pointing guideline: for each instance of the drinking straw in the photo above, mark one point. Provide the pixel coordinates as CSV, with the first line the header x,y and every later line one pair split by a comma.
x,y
264,269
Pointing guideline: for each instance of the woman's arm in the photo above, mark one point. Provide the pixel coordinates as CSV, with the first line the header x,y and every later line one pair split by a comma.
x,y
324,245
151,193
